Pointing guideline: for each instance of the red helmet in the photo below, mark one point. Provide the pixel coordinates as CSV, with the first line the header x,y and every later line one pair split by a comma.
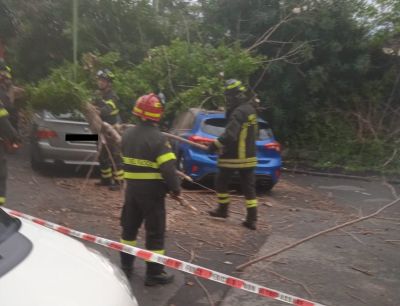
x,y
149,107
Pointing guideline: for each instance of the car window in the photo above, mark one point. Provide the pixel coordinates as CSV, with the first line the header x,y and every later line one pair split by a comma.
x,y
70,116
14,247
8,225
216,126
264,131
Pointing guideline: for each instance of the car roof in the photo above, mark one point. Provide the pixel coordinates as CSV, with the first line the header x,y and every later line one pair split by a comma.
x,y
202,111
212,113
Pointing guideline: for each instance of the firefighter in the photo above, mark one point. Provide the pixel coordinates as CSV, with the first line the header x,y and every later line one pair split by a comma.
x,y
9,136
106,103
10,90
150,173
237,152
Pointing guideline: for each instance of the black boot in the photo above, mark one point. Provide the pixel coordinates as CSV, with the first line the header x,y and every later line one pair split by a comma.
x,y
220,212
251,218
155,275
127,261
103,182
160,279
114,186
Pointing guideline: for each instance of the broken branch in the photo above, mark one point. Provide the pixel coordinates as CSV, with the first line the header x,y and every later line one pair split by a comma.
x,y
241,267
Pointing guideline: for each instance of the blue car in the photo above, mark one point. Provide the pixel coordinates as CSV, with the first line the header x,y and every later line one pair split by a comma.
x,y
202,126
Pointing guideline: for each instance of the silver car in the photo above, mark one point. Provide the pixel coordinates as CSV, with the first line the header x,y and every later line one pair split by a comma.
x,y
49,144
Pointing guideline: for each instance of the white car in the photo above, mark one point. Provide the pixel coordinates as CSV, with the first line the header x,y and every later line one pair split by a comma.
x,y
39,266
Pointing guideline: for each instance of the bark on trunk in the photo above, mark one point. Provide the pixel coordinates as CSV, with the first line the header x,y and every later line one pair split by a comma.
x,y
112,135
99,127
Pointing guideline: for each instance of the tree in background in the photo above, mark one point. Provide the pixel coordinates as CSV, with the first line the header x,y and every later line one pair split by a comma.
x,y
317,66
7,27
188,74
128,27
325,80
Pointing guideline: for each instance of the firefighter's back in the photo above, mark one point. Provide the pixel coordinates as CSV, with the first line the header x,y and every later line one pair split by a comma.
x,y
140,148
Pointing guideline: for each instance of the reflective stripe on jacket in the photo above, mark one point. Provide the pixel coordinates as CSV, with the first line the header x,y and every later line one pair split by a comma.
x,y
107,105
6,129
147,155
238,143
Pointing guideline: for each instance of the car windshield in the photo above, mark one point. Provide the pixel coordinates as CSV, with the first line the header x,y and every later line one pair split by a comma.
x,y
216,126
70,116
8,225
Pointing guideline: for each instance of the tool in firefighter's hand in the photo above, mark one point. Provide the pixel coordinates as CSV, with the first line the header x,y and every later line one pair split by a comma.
x,y
121,127
184,176
11,147
194,144
189,179
183,202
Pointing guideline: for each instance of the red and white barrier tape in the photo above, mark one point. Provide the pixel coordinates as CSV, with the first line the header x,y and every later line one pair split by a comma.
x,y
173,263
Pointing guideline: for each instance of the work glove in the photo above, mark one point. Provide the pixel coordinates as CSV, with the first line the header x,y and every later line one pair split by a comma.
x,y
11,146
16,140
212,148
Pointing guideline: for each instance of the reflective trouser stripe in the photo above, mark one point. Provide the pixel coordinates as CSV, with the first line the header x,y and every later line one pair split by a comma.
x,y
3,112
251,203
223,201
129,242
237,165
222,195
106,173
238,160
161,252
142,176
2,200
223,198
119,175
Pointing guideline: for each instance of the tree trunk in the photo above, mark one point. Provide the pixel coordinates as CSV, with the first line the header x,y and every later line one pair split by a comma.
x,y
2,50
112,134
99,127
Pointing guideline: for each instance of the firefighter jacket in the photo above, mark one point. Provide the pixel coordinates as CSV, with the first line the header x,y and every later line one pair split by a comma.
x,y
148,157
238,142
7,132
107,104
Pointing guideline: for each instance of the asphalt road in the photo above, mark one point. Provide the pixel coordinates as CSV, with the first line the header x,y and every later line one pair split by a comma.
x,y
353,266
357,265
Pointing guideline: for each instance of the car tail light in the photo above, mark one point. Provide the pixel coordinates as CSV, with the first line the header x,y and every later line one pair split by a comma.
x,y
201,140
273,146
278,173
45,134
195,168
